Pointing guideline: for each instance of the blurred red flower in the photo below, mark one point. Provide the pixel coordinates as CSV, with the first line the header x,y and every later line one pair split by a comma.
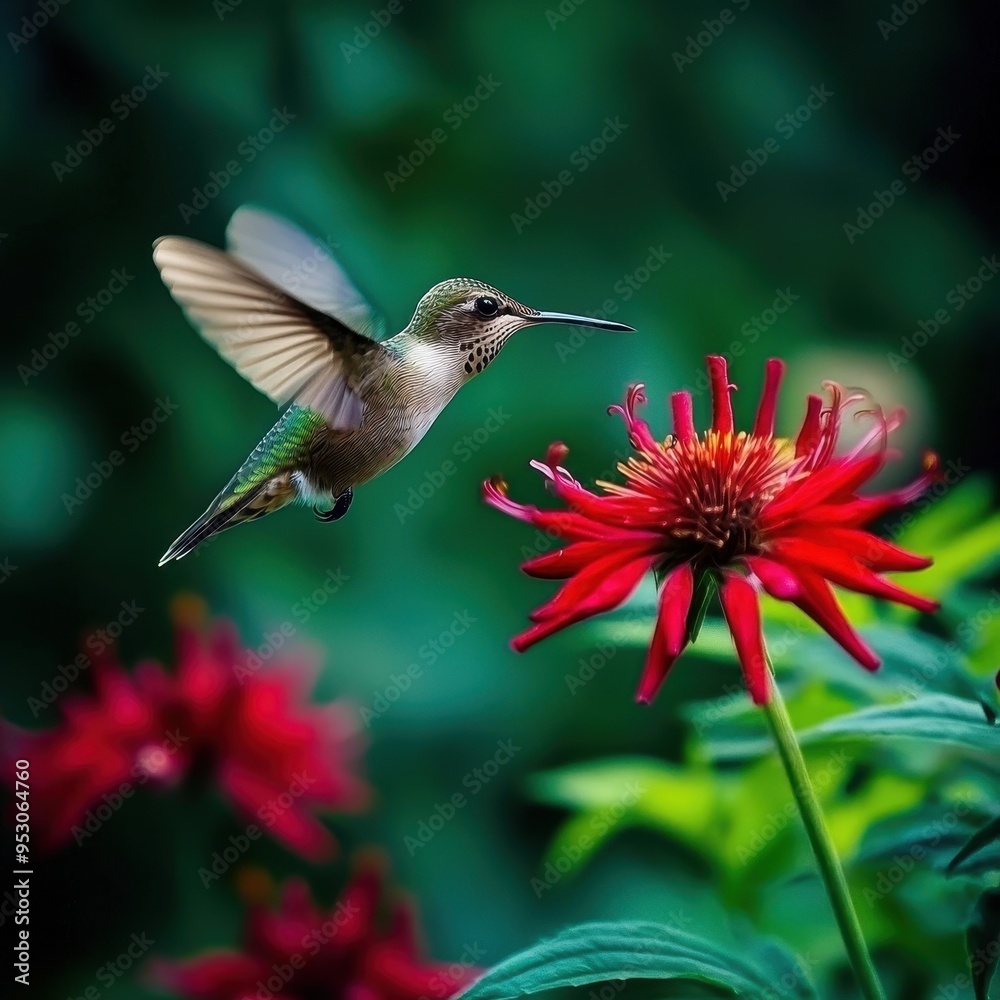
x,y
300,951
748,512
222,715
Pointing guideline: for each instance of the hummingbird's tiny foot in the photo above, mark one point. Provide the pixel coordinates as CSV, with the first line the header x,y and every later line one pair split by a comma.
x,y
340,507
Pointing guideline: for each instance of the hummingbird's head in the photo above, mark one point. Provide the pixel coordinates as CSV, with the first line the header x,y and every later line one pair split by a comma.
x,y
477,320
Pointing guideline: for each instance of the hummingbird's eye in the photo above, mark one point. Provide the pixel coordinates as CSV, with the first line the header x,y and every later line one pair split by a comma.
x,y
487,306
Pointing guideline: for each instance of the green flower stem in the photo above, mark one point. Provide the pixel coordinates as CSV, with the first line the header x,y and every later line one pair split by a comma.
x,y
830,867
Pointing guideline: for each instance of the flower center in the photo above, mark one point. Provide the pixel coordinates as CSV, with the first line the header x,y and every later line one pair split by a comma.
x,y
707,493
716,533
722,483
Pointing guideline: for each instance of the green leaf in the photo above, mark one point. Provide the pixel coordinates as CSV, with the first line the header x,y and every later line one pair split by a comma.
x,y
984,837
599,952
938,718
610,795
579,838
980,939
965,504
704,590
929,834
980,628
967,554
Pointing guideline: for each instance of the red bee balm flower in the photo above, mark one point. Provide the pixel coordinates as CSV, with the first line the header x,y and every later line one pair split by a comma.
x,y
221,714
749,511
344,953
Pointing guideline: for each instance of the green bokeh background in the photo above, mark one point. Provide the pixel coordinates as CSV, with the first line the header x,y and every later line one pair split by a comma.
x,y
410,571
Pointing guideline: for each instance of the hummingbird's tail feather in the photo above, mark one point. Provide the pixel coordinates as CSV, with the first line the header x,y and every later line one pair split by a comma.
x,y
228,510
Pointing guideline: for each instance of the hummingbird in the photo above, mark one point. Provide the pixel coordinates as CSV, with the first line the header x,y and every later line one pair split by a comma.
x,y
280,309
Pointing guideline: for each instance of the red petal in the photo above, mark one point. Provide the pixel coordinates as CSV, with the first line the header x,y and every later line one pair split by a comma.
x,y
639,434
842,568
588,583
722,406
495,494
809,433
683,414
741,607
764,424
802,497
864,510
564,524
612,590
776,579
670,634
819,602
216,974
299,830
404,931
870,549
575,557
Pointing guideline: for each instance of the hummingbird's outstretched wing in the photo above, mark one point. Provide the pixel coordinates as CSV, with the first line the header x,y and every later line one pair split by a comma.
x,y
302,266
282,345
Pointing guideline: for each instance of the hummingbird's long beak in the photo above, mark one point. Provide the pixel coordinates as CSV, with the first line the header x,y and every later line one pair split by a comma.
x,y
597,324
